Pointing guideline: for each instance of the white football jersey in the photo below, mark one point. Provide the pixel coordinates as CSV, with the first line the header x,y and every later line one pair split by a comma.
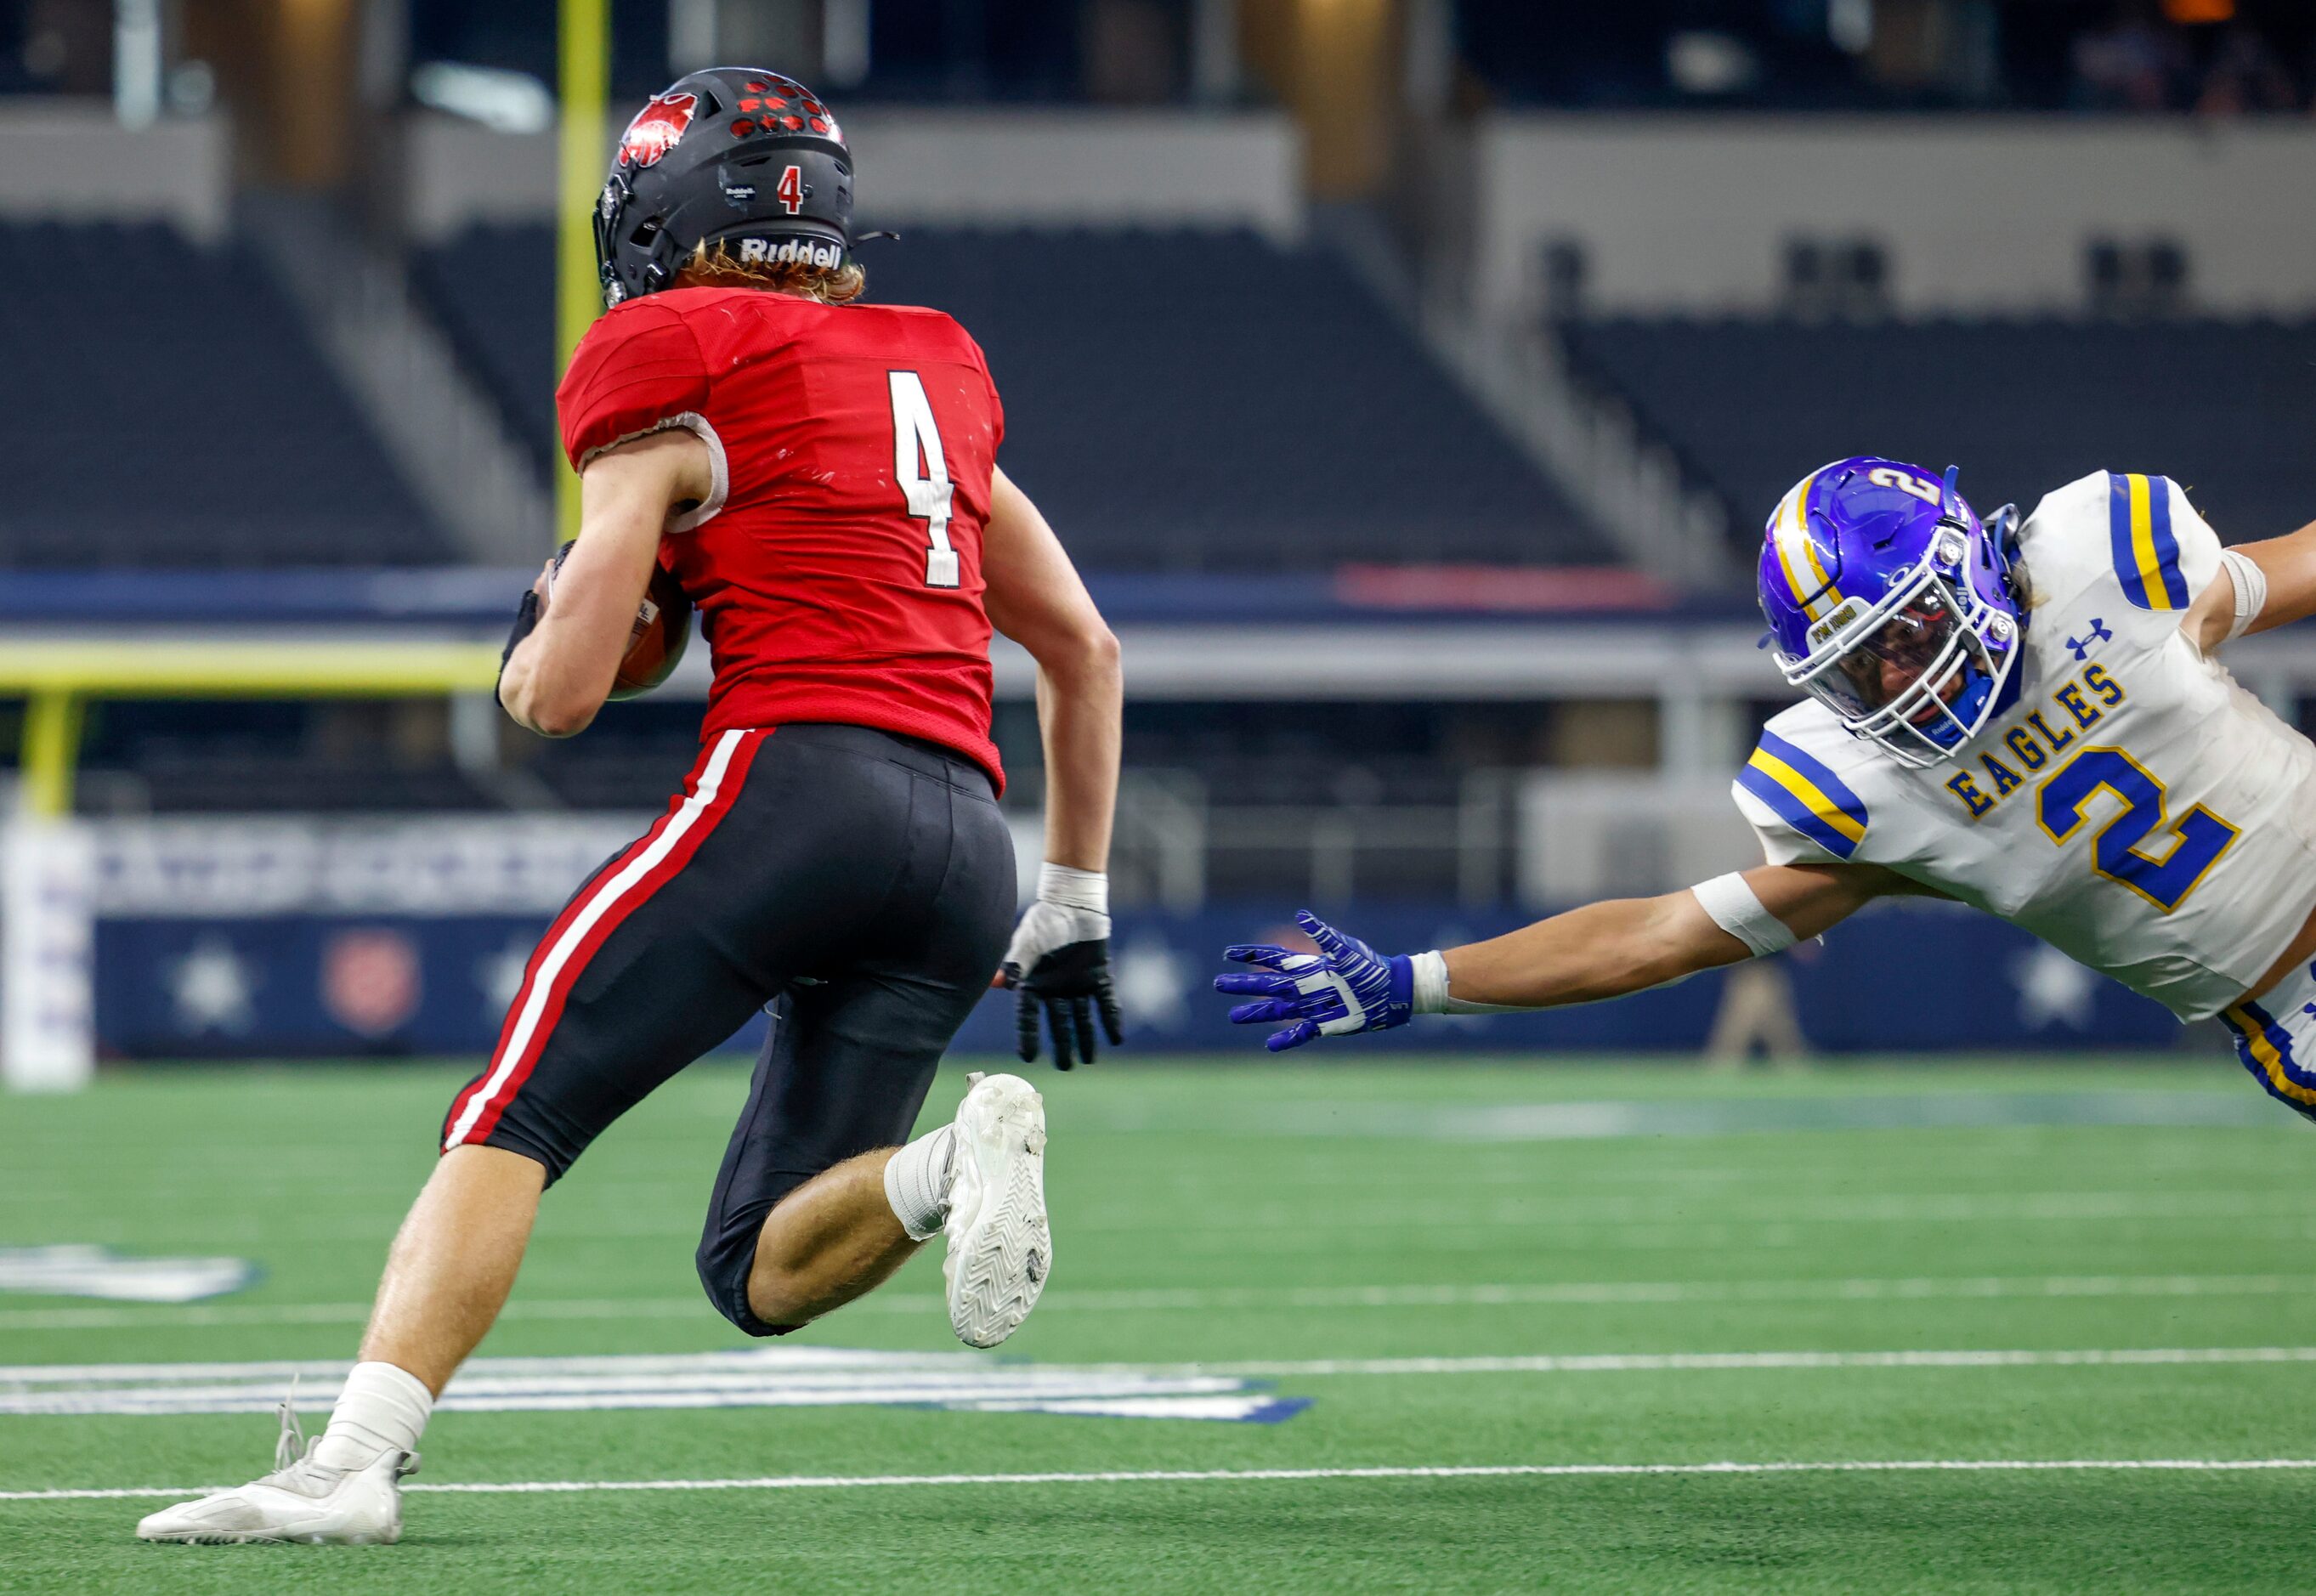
x,y
2133,808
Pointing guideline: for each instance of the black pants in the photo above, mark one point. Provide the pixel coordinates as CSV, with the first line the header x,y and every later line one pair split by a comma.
x,y
860,884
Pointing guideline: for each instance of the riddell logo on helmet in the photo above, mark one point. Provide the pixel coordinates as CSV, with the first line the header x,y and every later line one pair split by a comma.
x,y
799,252
656,128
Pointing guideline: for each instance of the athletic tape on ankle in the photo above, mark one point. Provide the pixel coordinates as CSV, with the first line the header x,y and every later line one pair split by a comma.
x,y
382,1408
916,1182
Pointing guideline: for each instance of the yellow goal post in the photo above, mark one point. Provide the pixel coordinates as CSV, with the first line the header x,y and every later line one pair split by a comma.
x,y
56,678
584,44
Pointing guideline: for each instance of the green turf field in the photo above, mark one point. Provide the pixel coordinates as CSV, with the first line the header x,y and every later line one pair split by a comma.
x,y
1463,1267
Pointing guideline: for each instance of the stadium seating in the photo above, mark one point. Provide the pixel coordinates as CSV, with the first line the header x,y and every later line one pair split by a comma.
x,y
2023,406
171,411
1174,401
492,290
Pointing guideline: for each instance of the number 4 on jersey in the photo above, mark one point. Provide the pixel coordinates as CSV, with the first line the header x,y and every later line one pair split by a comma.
x,y
922,472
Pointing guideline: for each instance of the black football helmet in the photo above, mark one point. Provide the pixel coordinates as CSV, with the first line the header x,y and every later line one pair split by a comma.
x,y
731,155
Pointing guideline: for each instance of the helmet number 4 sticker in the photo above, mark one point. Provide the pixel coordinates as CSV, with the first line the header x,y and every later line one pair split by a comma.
x,y
790,193
922,472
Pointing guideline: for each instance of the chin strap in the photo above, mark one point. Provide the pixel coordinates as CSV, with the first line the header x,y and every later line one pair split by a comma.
x,y
2002,538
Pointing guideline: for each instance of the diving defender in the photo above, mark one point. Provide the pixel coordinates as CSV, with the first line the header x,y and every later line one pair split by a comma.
x,y
2028,718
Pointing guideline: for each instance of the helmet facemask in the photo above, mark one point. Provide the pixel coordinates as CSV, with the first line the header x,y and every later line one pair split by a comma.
x,y
1960,648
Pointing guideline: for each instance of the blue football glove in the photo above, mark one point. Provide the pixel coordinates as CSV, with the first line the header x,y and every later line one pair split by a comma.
x,y
1344,988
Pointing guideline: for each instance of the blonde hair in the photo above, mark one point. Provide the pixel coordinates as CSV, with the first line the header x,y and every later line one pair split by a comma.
x,y
717,266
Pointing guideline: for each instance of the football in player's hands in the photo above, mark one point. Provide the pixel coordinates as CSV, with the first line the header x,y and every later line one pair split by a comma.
x,y
655,644
662,630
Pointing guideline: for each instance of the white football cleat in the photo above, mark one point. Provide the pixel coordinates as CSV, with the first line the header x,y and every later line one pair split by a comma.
x,y
298,1502
1001,1248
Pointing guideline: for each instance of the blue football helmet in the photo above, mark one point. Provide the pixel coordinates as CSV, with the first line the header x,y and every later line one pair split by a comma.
x,y
1893,605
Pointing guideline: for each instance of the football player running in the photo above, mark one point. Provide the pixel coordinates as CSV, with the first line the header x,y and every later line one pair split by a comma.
x,y
820,478
2030,719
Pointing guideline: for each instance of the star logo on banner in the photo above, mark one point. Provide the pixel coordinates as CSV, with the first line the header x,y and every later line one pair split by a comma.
x,y
209,988
2053,990
1152,985
2100,634
500,975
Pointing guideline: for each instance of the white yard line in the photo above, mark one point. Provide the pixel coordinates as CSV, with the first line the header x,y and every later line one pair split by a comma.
x,y
1195,1299
1545,1209
804,1482
839,1375
1685,1362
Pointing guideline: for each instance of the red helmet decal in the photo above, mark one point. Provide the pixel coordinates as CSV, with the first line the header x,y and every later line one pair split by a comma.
x,y
790,193
656,128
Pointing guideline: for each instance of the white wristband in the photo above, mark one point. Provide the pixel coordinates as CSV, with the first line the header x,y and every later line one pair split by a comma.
x,y
1073,889
1736,910
1429,973
2251,583
1430,990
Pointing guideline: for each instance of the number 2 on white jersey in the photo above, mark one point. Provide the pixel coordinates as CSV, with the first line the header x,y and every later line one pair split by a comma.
x,y
922,472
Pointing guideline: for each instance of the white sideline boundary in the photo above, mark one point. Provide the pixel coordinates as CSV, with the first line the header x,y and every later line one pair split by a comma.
x,y
838,1482
1209,1299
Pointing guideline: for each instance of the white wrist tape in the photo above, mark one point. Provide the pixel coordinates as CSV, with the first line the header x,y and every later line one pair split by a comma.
x,y
1073,889
2251,583
1737,911
1429,971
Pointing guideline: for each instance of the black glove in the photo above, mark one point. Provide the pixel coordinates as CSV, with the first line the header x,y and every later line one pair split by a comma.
x,y
1060,960
526,618
533,606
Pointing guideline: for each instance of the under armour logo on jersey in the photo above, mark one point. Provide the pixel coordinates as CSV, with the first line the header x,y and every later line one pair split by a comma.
x,y
2100,634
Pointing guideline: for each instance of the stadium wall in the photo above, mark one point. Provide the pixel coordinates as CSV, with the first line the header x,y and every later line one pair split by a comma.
x,y
988,168
1976,215
298,937
72,161
385,985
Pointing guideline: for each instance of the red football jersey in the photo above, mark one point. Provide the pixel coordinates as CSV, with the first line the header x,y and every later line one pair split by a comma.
x,y
837,564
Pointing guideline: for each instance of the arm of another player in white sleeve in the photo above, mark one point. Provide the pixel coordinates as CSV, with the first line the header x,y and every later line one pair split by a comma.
x,y
1626,945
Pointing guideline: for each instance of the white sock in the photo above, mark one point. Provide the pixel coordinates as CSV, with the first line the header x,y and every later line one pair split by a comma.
x,y
382,1409
916,1182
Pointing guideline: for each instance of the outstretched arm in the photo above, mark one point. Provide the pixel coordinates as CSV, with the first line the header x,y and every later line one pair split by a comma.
x,y
1602,950
1606,949
566,654
2277,589
1059,958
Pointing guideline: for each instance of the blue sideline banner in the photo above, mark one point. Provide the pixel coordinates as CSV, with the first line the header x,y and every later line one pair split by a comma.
x,y
339,981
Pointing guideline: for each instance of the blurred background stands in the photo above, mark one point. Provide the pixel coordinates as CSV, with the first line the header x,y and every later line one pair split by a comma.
x,y
1410,376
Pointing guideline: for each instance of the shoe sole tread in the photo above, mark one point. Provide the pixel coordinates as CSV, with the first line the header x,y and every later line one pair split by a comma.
x,y
993,1281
